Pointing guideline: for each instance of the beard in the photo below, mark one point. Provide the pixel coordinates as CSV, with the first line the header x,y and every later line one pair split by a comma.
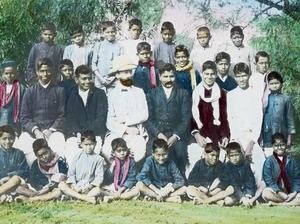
x,y
126,82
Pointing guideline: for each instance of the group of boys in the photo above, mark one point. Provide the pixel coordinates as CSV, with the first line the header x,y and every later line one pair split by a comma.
x,y
115,109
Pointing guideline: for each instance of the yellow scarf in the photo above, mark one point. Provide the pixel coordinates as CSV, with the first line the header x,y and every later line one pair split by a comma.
x,y
188,67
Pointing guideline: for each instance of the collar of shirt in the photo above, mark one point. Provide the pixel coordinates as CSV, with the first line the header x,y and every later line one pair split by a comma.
x,y
223,78
168,91
83,95
45,85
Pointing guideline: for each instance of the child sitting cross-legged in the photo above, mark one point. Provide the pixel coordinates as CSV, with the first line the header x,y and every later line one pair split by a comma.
x,y
46,172
160,178
204,178
86,171
120,176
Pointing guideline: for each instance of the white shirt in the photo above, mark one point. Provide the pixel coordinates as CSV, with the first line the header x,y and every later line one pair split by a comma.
x,y
83,95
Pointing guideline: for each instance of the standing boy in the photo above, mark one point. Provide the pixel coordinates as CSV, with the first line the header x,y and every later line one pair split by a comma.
x,y
86,109
43,112
46,49
145,75
170,116
66,69
11,95
104,53
78,52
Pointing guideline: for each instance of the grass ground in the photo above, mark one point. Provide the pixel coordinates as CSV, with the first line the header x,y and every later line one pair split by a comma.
x,y
138,212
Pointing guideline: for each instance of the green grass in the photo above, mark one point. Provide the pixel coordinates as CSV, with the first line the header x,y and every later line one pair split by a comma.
x,y
138,212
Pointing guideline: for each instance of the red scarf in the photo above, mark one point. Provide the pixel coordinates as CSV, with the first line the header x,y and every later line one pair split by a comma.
x,y
118,184
15,94
283,175
150,64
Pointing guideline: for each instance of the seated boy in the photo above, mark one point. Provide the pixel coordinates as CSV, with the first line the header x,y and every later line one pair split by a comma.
x,y
11,94
66,69
224,80
120,176
204,178
86,171
46,172
145,75
282,175
160,178
14,169
239,175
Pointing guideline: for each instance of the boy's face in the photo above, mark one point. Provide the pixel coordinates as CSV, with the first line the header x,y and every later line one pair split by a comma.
x,y
110,34
88,146
160,155
9,74
262,65
44,74
7,140
203,38
275,85
135,32
209,77
211,158
125,77
44,155
78,39
181,59
48,36
223,67
167,79
85,81
242,80
144,56
121,153
237,39
279,147
67,71
167,36
235,157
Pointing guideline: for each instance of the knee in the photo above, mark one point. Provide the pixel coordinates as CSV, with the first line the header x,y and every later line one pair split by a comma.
x,y
15,180
229,201
140,185
267,194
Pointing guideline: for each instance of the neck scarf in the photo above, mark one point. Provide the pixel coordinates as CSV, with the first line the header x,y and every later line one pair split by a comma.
x,y
283,175
198,94
188,67
152,74
51,169
15,94
118,184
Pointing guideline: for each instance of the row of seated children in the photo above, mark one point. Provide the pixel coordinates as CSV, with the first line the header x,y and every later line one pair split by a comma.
x,y
159,179
101,56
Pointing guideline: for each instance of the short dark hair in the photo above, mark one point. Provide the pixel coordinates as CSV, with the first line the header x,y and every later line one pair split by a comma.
x,y
83,69
240,68
40,144
136,22
159,144
143,46
182,48
275,75
204,29
7,129
107,24
233,146
236,29
45,61
167,26
117,143
209,65
261,54
76,29
210,147
222,55
278,136
48,26
66,62
162,67
89,135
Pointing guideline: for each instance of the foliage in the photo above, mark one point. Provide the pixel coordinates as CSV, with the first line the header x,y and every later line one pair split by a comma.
x,y
142,212
20,20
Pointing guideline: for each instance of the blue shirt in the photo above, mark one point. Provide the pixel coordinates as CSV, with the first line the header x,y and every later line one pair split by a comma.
x,y
160,174
141,78
183,79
